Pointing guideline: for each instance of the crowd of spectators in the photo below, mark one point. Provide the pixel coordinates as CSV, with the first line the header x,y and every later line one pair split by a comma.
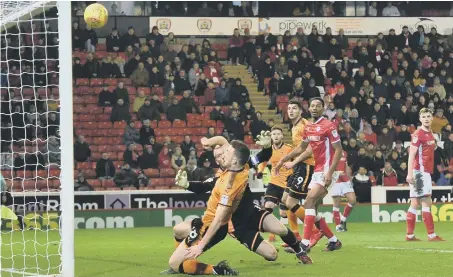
x,y
373,88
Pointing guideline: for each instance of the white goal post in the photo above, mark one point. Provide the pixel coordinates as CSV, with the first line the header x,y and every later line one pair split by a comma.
x,y
36,87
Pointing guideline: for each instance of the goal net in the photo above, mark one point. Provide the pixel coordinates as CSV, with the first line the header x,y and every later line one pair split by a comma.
x,y
36,178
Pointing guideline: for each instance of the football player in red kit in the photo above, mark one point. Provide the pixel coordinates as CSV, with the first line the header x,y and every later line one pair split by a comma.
x,y
343,187
420,168
322,139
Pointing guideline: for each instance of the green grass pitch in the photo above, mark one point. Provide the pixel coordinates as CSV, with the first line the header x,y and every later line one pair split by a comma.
x,y
145,252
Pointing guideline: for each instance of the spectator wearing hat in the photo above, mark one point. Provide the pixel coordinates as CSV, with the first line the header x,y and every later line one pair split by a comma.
x,y
148,112
130,39
113,41
202,173
77,69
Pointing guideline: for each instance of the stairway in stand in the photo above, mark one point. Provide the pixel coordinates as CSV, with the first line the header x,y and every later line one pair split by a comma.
x,y
260,102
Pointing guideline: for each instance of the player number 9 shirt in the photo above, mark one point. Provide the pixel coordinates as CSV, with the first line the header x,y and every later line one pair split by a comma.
x,y
321,135
425,143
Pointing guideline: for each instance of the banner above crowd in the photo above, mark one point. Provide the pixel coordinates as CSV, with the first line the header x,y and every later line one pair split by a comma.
x,y
360,26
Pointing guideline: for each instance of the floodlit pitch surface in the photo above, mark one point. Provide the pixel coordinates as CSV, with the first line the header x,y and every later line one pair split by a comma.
x,y
370,250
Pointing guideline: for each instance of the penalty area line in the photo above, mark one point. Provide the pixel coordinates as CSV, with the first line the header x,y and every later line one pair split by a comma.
x,y
23,273
413,249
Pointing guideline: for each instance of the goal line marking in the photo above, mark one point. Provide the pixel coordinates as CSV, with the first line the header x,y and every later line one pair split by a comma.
x,y
414,249
12,270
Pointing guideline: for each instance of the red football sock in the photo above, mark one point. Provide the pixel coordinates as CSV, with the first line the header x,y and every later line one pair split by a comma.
x,y
325,228
347,210
410,221
428,220
336,216
309,223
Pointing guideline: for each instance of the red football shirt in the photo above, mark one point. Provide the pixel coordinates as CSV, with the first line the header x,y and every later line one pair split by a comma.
x,y
426,144
321,135
342,164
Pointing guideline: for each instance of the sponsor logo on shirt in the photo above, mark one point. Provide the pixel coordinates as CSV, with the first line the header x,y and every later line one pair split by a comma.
x,y
314,138
431,142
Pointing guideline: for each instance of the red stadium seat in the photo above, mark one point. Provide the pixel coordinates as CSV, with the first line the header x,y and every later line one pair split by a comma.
x,y
96,183
179,124
110,82
108,183
169,181
167,172
126,81
151,172
119,125
82,82
157,182
83,165
105,125
158,90
96,82
164,124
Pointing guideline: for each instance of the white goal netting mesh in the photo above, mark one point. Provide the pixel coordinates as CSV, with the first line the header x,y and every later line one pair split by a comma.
x,y
30,145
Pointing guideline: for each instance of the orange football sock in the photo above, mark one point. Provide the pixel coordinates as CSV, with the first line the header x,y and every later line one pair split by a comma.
x,y
292,222
195,267
299,211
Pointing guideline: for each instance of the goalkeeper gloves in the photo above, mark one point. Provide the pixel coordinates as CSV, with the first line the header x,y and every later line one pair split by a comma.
x,y
264,139
181,179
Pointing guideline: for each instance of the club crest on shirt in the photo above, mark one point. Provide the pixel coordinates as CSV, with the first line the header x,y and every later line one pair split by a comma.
x,y
334,133
318,128
414,139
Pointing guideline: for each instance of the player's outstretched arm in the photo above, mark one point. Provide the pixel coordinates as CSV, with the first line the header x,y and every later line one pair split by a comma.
x,y
302,157
194,186
214,141
292,155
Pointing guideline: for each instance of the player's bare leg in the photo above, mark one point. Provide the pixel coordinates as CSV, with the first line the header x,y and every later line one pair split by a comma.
x,y
352,199
272,224
181,231
178,263
314,196
269,206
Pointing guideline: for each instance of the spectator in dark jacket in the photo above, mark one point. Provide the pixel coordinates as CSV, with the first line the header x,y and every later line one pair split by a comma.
x,y
174,112
106,97
113,41
126,177
146,132
257,125
130,39
235,126
149,158
91,67
82,150
181,83
217,114
154,35
90,39
131,156
121,93
120,112
362,185
186,146
105,168
187,103
81,184
78,70
148,112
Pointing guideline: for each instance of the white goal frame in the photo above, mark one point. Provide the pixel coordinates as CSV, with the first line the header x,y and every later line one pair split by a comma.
x,y
66,223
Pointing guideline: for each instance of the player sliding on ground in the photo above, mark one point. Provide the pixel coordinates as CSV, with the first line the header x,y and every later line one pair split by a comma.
x,y
297,183
230,198
277,184
420,168
324,141
342,188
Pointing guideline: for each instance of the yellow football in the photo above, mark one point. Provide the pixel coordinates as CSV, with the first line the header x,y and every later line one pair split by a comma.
x,y
96,15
